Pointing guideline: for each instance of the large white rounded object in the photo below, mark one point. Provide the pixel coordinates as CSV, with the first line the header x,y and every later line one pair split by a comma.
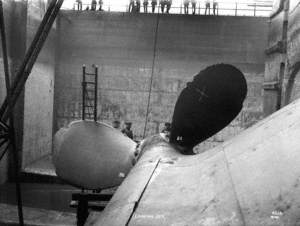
x,y
92,155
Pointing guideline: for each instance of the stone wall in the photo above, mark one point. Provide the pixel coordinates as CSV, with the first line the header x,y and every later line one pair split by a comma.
x,y
128,48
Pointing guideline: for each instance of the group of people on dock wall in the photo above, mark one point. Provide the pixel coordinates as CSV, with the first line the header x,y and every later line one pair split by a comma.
x,y
135,6
93,5
164,5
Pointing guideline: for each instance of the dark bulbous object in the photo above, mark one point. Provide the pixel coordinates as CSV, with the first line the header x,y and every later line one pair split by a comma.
x,y
207,105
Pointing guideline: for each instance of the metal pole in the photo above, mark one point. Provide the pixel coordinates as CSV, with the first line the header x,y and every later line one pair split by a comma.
x,y
32,46
254,9
236,9
23,75
1,156
96,93
3,142
83,92
181,7
152,74
12,135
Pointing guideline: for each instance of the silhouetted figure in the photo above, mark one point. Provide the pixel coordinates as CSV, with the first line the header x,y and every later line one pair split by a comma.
x,y
145,4
162,5
116,124
127,130
131,6
207,7
153,4
138,6
193,6
207,104
79,4
100,5
169,4
93,5
186,6
167,129
215,7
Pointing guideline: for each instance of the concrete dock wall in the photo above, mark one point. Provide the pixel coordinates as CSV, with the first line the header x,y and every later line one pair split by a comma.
x,y
292,78
33,112
283,60
39,93
128,48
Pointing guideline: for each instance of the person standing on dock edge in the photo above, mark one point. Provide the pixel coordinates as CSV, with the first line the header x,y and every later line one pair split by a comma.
x,y
131,6
138,5
153,3
207,7
100,5
215,7
145,4
79,4
186,6
169,3
162,5
93,5
193,6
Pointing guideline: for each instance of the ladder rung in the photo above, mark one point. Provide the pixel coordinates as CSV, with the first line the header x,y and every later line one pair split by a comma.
x,y
90,73
90,83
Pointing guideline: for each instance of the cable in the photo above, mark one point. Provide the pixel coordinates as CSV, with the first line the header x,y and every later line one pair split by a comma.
x,y
152,74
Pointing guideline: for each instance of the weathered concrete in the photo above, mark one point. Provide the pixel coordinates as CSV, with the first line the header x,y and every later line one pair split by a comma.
x,y
123,46
276,58
39,94
33,112
292,78
283,67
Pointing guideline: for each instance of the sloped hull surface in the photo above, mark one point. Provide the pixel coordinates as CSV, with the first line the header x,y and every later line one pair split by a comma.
x,y
253,179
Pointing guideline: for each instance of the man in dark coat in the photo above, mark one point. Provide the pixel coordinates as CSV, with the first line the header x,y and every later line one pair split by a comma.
x,y
127,130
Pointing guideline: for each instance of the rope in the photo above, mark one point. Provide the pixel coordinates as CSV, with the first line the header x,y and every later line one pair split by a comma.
x,y
152,74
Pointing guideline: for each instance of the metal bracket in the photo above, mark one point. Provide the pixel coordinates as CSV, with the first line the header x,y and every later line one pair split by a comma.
x,y
279,47
273,85
3,127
